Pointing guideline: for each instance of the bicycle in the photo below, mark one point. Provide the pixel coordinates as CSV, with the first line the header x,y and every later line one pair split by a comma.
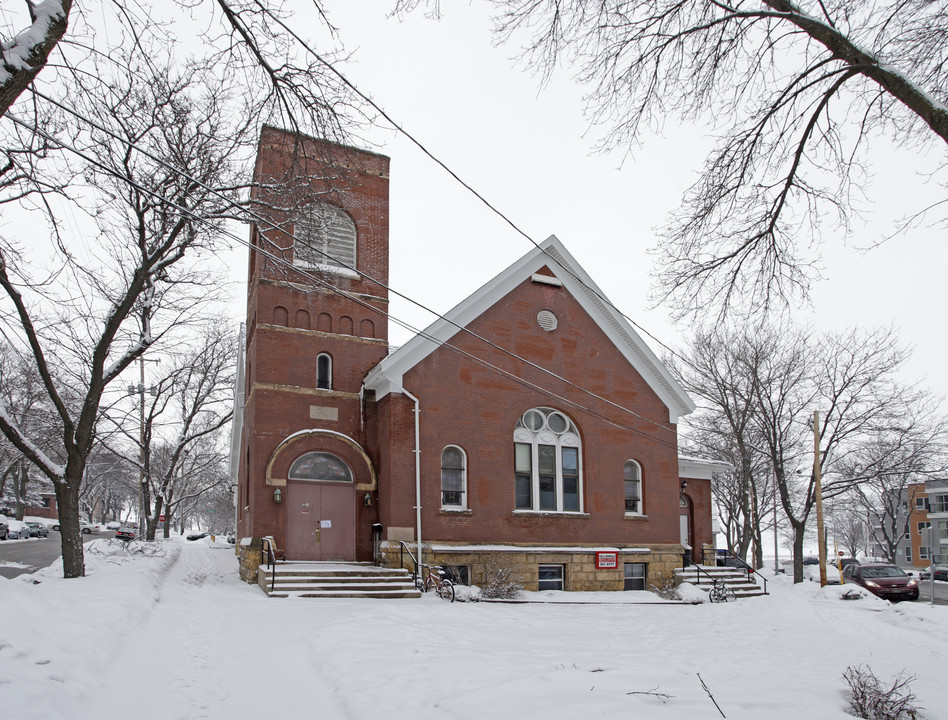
x,y
721,593
437,582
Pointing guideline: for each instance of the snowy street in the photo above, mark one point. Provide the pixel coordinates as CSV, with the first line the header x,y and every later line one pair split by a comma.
x,y
179,637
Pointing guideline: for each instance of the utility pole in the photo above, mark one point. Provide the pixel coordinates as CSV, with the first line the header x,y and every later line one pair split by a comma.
x,y
820,533
142,479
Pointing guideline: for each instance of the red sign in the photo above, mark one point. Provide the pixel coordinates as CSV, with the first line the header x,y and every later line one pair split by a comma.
x,y
161,518
607,560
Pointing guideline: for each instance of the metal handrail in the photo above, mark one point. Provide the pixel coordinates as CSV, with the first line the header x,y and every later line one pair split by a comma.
x,y
403,548
271,561
729,554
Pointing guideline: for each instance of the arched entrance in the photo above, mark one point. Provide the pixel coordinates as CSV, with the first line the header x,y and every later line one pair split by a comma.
x,y
322,474
320,508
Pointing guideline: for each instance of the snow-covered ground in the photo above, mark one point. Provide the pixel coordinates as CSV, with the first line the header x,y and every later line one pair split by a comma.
x,y
178,636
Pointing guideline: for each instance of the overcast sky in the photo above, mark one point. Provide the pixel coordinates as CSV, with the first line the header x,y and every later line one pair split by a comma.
x,y
530,151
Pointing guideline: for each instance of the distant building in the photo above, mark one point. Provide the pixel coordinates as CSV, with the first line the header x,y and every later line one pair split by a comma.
x,y
531,422
926,506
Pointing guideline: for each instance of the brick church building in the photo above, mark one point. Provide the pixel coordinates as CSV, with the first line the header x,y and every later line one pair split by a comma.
x,y
530,425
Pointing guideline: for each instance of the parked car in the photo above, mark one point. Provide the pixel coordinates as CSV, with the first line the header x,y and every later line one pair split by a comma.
x,y
126,532
3,527
38,529
883,580
17,530
114,525
811,560
54,525
87,528
941,573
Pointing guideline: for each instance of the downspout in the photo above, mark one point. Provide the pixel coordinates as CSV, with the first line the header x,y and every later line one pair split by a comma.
x,y
417,476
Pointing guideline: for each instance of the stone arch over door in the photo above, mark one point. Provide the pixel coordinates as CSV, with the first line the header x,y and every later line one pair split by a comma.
x,y
322,473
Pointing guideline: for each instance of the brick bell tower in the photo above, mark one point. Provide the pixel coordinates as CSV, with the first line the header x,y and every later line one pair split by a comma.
x,y
316,324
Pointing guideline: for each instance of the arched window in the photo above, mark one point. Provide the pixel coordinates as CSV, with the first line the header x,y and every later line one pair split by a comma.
x,y
453,478
367,329
324,322
280,316
547,467
345,325
633,488
320,466
324,371
325,235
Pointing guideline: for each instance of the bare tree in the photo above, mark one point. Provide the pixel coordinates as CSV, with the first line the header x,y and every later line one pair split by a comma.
x,y
261,39
797,90
889,468
846,519
161,166
719,369
185,411
759,389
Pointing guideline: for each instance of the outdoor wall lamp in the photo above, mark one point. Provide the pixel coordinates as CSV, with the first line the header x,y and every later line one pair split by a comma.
x,y
367,500
684,484
277,496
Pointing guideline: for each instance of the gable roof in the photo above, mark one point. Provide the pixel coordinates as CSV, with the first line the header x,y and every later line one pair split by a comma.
x,y
387,376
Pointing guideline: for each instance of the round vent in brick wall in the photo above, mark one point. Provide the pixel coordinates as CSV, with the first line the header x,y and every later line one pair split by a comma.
x,y
547,320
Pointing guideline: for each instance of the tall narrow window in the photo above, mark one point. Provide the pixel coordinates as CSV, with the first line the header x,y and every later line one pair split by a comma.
x,y
524,481
633,488
453,478
547,462
323,372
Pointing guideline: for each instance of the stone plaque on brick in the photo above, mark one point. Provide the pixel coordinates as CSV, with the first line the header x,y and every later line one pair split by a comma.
x,y
321,412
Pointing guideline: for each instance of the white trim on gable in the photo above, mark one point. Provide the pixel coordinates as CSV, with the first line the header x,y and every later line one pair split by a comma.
x,y
386,377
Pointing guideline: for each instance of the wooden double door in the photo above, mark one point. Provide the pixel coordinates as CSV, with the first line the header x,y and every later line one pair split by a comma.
x,y
320,520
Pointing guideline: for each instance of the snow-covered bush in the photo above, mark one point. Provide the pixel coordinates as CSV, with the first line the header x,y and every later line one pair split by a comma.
x,y
872,700
692,594
467,593
499,582
665,589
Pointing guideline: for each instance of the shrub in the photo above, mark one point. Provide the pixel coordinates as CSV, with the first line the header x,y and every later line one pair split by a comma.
x,y
872,700
499,582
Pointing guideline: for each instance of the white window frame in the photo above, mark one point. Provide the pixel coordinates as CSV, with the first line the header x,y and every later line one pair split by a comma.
x,y
641,500
923,526
463,503
328,357
923,552
921,503
908,554
550,566
544,435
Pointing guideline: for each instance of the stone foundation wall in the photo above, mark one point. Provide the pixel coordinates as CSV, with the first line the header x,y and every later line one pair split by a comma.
x,y
580,571
249,557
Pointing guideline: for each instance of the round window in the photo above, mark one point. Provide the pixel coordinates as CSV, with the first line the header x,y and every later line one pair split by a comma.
x,y
533,420
557,422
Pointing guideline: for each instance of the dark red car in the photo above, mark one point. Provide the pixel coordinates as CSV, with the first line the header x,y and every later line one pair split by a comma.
x,y
888,582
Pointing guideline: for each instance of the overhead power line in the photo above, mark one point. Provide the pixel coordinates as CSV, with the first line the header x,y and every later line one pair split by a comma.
x,y
264,221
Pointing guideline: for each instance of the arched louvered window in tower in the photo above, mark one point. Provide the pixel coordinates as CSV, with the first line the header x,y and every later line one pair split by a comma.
x,y
325,235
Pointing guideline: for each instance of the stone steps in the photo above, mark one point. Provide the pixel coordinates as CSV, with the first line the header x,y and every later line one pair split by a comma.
x,y
335,580
734,578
